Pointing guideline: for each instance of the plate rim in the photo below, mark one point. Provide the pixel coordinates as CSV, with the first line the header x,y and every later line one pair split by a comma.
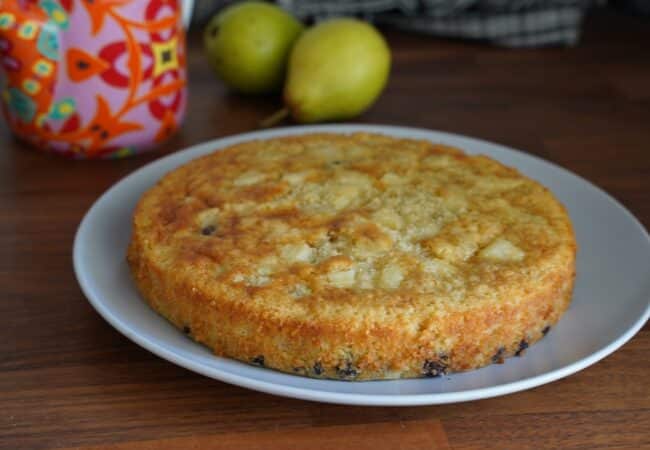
x,y
311,394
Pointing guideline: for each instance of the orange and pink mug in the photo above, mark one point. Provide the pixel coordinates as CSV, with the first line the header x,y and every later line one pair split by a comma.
x,y
93,78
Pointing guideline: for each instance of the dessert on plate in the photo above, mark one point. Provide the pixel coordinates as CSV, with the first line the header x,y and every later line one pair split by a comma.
x,y
354,257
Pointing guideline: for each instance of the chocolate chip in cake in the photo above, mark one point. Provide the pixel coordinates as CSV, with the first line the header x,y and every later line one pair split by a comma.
x,y
523,345
258,360
435,368
348,371
546,329
318,368
208,230
187,329
498,357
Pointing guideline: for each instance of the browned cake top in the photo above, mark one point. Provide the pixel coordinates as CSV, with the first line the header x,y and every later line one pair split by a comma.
x,y
354,227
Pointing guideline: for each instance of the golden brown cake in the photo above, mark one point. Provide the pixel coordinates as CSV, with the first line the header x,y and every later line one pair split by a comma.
x,y
354,257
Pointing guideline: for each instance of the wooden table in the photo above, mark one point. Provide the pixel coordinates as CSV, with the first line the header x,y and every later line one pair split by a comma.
x,y
67,379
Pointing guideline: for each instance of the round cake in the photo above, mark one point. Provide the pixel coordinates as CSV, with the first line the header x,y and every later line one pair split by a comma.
x,y
354,257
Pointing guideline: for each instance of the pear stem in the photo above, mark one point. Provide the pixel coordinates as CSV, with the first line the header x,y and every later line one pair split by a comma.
x,y
275,118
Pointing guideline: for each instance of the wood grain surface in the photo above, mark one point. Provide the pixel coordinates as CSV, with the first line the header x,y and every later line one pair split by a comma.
x,y
69,380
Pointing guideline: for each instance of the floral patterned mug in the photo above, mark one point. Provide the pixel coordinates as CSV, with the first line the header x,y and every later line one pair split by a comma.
x,y
93,78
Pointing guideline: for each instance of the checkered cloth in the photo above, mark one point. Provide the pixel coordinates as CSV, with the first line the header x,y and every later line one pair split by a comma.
x,y
510,23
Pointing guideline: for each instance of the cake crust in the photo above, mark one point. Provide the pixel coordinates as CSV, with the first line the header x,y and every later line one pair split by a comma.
x,y
354,257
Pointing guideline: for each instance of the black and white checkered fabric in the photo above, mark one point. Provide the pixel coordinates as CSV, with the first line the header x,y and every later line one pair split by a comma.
x,y
510,23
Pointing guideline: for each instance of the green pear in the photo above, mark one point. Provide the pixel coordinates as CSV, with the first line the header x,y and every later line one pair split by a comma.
x,y
337,69
248,45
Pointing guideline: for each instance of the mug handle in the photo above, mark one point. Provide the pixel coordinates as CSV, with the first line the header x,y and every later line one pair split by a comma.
x,y
187,7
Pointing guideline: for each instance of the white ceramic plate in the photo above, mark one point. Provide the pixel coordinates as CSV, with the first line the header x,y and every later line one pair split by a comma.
x,y
610,302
